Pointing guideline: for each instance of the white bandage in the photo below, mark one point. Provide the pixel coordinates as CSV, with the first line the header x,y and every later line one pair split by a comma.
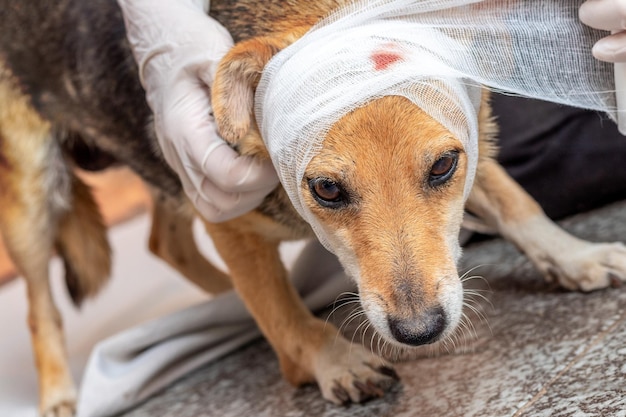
x,y
436,53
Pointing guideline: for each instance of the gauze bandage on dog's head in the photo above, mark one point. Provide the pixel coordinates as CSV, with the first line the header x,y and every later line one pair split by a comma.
x,y
436,53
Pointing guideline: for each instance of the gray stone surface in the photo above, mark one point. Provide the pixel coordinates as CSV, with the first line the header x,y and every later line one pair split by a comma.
x,y
533,350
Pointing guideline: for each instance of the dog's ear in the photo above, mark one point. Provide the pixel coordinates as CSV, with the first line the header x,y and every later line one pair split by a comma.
x,y
237,77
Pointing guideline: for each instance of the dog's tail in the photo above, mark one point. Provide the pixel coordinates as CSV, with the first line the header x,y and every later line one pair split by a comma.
x,y
83,245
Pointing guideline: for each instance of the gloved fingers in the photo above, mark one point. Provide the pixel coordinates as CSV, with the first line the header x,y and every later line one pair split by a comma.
x,y
206,209
236,202
213,203
609,15
235,173
217,210
234,184
604,14
186,118
611,48
191,127
175,33
222,41
178,47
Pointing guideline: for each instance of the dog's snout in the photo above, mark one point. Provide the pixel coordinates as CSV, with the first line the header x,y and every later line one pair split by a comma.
x,y
419,330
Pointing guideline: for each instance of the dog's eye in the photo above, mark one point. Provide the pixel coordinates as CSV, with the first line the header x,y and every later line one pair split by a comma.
x,y
443,169
327,192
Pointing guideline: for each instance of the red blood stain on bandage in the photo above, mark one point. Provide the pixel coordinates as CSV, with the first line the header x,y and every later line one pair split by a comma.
x,y
384,59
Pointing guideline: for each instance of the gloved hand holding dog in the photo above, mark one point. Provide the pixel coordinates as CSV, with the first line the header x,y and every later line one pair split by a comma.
x,y
178,47
607,15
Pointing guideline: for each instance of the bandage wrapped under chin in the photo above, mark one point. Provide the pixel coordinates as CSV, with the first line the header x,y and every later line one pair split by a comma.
x,y
436,53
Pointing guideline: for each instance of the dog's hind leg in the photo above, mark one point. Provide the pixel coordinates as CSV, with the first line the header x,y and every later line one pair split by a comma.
x,y
576,264
171,239
309,349
33,191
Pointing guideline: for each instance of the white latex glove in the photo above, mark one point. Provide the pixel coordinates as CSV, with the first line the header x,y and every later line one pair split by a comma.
x,y
178,47
607,15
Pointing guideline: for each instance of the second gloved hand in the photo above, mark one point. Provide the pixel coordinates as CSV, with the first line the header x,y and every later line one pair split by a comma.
x,y
607,15
178,47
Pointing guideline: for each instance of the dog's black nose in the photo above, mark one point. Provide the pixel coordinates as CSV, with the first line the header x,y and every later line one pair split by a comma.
x,y
419,330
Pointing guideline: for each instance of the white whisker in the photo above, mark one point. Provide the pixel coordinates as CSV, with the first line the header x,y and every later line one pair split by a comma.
x,y
464,276
477,294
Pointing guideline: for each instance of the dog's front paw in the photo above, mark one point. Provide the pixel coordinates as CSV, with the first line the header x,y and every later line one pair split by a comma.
x,y
348,373
58,400
587,266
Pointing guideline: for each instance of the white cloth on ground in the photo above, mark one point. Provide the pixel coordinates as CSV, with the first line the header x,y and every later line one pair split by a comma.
x,y
127,368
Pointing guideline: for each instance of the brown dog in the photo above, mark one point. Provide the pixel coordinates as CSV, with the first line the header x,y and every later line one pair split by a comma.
x,y
395,204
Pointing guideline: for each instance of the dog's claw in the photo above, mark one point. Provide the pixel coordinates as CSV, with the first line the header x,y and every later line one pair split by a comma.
x,y
341,394
351,374
390,372
375,389
615,280
364,391
361,387
60,410
368,390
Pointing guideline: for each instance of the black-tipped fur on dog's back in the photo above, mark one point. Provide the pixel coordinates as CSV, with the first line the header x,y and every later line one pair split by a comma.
x,y
72,59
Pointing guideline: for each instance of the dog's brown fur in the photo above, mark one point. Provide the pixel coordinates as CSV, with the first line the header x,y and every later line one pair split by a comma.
x,y
397,234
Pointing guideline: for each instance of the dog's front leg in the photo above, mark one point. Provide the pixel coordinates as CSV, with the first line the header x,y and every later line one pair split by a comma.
x,y
576,264
309,350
